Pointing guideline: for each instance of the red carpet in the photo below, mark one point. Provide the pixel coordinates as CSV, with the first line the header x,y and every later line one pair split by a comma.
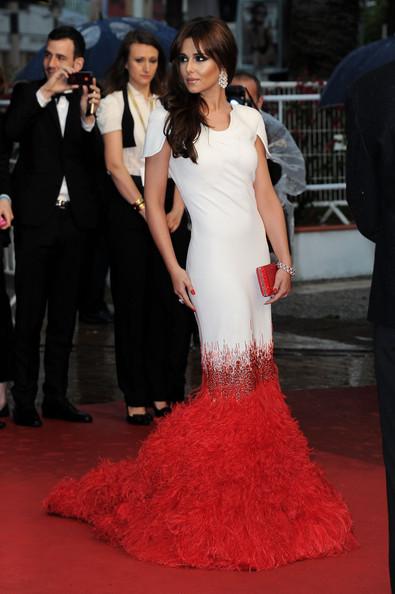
x,y
47,555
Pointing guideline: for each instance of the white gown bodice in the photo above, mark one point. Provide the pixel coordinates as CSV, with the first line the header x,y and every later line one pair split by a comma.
x,y
228,236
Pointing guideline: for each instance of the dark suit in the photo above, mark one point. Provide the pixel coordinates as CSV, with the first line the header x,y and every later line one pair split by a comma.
x,y
6,330
371,195
48,240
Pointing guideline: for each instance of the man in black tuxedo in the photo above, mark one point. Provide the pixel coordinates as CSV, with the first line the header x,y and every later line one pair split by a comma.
x,y
54,205
371,195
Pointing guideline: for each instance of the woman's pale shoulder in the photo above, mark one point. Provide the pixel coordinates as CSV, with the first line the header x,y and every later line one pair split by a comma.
x,y
155,136
249,114
253,119
114,98
158,117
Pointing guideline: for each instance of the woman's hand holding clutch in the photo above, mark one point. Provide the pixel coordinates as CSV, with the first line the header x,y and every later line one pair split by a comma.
x,y
282,286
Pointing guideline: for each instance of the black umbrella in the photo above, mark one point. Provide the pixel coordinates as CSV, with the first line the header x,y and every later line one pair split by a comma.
x,y
103,38
355,64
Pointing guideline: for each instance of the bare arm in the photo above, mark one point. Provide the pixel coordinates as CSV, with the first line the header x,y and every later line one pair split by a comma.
x,y
175,215
156,174
113,156
272,214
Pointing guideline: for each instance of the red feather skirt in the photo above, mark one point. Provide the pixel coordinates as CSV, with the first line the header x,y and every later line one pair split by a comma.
x,y
224,482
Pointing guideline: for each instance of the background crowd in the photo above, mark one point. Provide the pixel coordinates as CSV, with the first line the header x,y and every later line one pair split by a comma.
x,y
77,195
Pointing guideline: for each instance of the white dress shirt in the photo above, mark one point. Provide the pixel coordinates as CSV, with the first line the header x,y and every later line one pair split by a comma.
x,y
62,107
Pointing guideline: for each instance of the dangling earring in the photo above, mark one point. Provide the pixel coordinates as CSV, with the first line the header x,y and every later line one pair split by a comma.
x,y
223,79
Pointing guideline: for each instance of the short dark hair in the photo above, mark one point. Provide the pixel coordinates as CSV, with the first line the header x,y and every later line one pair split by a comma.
x,y
249,76
75,36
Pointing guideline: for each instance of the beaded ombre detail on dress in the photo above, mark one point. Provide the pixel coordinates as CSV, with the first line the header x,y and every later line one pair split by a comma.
x,y
236,371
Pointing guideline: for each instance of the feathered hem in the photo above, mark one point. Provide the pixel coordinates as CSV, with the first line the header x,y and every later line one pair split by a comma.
x,y
221,483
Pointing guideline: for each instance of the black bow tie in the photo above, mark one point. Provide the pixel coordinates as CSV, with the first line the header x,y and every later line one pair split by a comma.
x,y
59,95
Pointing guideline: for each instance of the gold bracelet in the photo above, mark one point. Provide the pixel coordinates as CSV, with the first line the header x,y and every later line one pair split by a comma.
x,y
139,204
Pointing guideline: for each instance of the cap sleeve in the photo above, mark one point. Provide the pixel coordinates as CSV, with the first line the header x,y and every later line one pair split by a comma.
x,y
109,114
155,137
261,133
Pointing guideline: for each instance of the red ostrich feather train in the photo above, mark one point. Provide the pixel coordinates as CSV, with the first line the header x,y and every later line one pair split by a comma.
x,y
226,481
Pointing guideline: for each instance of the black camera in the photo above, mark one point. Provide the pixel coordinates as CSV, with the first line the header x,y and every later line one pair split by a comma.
x,y
239,94
81,78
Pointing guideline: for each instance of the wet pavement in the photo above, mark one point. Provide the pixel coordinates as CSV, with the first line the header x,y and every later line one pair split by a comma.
x,y
322,337
322,340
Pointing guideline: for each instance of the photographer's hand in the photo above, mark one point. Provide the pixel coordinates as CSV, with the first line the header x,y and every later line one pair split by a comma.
x,y
90,101
57,83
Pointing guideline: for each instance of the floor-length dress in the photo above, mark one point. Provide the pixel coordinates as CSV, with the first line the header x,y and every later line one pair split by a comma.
x,y
226,480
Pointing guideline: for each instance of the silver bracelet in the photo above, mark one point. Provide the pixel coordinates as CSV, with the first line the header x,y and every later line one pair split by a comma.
x,y
290,269
5,197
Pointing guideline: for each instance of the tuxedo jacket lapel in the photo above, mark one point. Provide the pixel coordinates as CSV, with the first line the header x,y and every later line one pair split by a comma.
x,y
73,113
54,114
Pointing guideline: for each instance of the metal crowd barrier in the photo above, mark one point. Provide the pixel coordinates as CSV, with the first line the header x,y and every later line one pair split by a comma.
x,y
320,134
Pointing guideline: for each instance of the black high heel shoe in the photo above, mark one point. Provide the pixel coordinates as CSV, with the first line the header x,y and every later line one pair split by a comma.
x,y
161,412
5,411
140,419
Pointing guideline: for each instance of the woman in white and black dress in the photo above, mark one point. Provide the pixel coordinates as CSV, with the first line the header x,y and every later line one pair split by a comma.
x,y
151,328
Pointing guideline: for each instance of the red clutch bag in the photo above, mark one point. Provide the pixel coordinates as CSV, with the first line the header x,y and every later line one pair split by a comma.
x,y
266,276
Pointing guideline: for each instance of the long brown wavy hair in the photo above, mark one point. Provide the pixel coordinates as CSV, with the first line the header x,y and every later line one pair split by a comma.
x,y
118,76
187,110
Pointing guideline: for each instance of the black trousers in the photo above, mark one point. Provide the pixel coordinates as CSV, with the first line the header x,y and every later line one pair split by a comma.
x,y
169,327
6,330
385,374
94,273
48,262
151,329
95,266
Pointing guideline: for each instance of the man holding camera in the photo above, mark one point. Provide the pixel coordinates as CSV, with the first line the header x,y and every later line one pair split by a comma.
x,y
54,204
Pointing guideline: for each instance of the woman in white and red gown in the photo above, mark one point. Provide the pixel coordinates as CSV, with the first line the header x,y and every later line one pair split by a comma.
x,y
226,480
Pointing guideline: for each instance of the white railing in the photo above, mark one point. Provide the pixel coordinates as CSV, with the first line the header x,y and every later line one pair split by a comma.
x,y
281,99
330,195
